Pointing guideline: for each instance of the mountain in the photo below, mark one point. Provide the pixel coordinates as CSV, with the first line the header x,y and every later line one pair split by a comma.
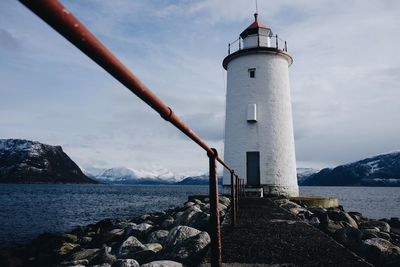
x,y
198,180
24,161
304,173
129,176
380,170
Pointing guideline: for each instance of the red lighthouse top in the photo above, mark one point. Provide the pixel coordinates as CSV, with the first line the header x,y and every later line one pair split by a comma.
x,y
254,27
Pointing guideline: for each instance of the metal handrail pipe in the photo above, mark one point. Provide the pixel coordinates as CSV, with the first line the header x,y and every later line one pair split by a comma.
x,y
64,22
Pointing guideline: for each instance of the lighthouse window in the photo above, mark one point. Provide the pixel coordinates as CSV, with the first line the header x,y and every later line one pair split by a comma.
x,y
252,73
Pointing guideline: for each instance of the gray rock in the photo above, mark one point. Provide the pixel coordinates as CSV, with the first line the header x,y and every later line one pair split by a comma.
x,y
342,216
293,207
165,263
382,226
332,227
101,265
383,235
158,236
369,233
168,223
224,200
322,216
70,238
178,234
126,263
314,221
84,254
350,237
155,247
190,250
130,246
380,252
188,204
103,256
197,201
139,230
183,218
74,263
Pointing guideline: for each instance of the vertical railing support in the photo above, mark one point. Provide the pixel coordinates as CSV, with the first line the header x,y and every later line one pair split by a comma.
x,y
229,49
237,193
216,258
233,199
240,45
276,41
285,46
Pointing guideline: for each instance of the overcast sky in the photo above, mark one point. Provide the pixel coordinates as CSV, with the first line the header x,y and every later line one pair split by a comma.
x,y
344,81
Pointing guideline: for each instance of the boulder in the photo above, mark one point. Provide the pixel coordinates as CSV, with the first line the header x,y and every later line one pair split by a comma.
x,y
350,237
66,249
158,236
100,265
125,263
144,256
382,226
394,222
188,204
74,263
314,221
70,238
332,227
178,234
139,230
293,207
357,216
130,246
107,237
168,222
103,256
190,250
162,264
342,216
224,200
369,233
84,254
380,252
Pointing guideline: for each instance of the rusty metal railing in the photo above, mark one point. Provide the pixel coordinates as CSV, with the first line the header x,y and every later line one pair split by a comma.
x,y
65,23
275,42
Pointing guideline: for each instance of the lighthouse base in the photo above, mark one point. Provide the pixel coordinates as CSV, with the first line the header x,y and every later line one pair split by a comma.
x,y
280,190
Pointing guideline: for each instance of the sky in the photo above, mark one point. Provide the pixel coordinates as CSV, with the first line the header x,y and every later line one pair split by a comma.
x,y
344,80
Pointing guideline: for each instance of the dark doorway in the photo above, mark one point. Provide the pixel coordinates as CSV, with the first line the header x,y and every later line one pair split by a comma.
x,y
253,168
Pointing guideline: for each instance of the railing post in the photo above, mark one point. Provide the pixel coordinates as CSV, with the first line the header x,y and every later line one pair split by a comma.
x,y
216,259
237,192
258,40
240,45
229,49
233,201
285,46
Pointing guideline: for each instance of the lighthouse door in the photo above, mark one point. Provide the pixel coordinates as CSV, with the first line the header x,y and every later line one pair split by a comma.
x,y
253,168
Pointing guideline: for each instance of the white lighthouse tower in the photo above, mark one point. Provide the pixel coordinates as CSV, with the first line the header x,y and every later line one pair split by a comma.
x,y
259,142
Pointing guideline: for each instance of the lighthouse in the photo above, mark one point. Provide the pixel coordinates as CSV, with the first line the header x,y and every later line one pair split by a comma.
x,y
259,141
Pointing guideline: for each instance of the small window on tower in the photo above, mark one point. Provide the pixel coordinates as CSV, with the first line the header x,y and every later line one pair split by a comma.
x,y
252,73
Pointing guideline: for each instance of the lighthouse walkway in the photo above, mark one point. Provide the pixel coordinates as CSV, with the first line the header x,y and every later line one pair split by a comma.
x,y
267,235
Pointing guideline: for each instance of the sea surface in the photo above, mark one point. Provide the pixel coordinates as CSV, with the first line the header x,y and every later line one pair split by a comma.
x,y
29,210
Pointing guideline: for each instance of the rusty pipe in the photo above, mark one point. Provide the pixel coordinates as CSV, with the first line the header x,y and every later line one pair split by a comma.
x,y
233,202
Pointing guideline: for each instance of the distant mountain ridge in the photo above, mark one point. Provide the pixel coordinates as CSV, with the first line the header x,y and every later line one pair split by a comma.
x,y
380,170
24,161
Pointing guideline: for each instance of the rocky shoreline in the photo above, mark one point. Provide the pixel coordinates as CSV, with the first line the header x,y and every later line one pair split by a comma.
x,y
180,237
376,241
172,238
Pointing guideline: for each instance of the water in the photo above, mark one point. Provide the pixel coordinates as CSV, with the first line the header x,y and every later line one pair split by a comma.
x,y
373,202
28,210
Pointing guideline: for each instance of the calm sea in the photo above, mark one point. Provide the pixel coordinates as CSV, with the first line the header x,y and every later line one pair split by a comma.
x,y
28,210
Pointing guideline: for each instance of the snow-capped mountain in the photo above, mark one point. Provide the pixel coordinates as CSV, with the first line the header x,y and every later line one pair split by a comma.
x,y
380,170
24,161
304,173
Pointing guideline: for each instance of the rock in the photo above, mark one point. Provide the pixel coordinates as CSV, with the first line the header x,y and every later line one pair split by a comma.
x,y
199,220
332,227
130,246
87,254
103,256
342,216
394,222
188,204
74,263
369,233
168,223
183,218
158,236
380,252
314,221
197,201
190,250
126,263
382,226
139,230
156,247
162,264
358,217
101,265
66,249
224,200
350,237
322,216
85,240
105,225
383,235
114,235
70,238
178,234
293,207
144,256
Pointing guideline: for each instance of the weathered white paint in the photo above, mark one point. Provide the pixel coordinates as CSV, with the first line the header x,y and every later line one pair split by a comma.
x,y
252,41
272,134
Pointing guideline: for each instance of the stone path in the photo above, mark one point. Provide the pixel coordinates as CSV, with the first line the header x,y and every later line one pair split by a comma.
x,y
267,235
